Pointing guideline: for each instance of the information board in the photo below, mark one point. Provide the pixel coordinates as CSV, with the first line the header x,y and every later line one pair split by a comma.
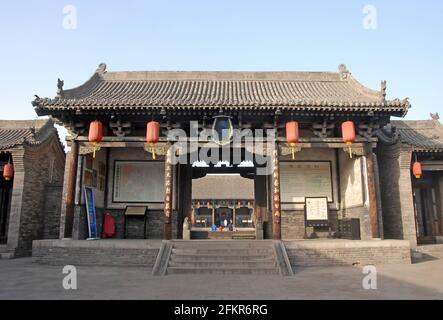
x,y
139,181
305,179
316,211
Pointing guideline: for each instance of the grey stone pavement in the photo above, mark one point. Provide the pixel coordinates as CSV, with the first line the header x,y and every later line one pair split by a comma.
x,y
23,279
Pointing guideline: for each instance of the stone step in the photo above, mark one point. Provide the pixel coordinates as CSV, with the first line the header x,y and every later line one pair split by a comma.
x,y
222,270
225,235
245,252
223,245
223,264
212,257
6,255
223,242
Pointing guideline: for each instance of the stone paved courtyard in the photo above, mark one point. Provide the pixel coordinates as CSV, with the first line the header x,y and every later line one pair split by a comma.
x,y
23,279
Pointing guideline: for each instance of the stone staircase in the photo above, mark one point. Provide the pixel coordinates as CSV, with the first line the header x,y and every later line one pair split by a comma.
x,y
222,257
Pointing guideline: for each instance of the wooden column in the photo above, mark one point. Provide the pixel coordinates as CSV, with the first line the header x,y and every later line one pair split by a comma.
x,y
276,205
260,198
70,192
167,232
372,194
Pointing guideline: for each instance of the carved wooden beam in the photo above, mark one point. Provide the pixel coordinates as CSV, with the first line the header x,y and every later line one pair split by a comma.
x,y
88,149
120,128
368,130
358,151
286,149
323,129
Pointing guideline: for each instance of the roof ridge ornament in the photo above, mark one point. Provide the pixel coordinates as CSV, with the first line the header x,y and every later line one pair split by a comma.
x,y
344,72
435,116
383,90
60,84
101,69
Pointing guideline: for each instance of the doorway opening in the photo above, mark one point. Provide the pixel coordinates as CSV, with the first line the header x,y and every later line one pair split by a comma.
x,y
5,199
223,200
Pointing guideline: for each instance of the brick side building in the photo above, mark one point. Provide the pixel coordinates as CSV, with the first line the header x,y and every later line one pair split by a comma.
x,y
412,207
30,202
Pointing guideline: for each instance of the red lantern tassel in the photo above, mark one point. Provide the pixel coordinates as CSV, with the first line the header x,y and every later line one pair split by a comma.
x,y
350,149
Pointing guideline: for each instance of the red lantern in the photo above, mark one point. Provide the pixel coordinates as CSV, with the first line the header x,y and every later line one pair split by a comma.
x,y
153,135
348,133
417,170
292,135
8,171
95,134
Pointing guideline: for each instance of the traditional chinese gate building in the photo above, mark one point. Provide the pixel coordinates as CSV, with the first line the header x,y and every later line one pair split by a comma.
x,y
126,171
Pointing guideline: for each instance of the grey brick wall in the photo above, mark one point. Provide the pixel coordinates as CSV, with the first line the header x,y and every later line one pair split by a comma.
x,y
293,224
98,253
134,230
396,192
51,209
361,213
324,253
29,200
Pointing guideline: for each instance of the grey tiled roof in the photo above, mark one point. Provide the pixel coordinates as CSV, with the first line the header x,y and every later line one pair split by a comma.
x,y
18,132
183,89
422,135
223,187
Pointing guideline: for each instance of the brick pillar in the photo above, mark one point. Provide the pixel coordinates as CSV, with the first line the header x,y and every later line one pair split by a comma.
x,y
276,204
16,206
167,231
396,192
378,193
406,197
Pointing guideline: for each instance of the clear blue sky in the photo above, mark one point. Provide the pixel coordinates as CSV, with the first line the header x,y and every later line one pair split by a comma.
x,y
405,49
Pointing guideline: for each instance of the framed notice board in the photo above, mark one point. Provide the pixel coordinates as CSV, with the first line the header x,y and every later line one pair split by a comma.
x,y
91,214
316,212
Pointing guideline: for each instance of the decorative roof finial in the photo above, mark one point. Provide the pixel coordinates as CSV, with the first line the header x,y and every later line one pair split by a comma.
x,y
383,90
60,84
435,116
344,72
33,131
101,68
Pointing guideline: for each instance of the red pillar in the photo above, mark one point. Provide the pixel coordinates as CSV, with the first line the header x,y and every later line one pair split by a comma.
x,y
167,232
276,205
